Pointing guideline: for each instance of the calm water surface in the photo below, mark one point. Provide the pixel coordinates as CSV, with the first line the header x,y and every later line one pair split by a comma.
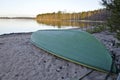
x,y
28,25
20,25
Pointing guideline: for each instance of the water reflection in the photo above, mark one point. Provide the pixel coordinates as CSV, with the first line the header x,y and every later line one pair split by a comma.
x,y
20,26
62,24
24,25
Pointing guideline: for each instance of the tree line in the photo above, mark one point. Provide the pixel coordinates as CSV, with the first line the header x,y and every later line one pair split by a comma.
x,y
100,15
17,17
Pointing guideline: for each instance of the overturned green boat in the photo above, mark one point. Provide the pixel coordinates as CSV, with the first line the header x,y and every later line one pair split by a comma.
x,y
76,46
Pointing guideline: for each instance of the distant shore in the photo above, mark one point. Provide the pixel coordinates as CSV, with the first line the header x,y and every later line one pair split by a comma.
x,y
17,17
21,60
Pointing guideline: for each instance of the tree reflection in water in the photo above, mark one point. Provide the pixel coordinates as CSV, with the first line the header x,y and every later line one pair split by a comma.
x,y
83,24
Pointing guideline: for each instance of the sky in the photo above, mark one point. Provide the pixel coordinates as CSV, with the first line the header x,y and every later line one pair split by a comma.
x,y
34,7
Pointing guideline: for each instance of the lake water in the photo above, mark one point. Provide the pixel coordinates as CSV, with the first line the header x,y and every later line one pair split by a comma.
x,y
29,25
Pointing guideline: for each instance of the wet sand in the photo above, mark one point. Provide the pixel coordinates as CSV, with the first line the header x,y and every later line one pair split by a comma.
x,y
21,60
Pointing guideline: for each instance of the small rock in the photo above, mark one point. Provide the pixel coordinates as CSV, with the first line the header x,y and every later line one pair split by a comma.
x,y
58,70
62,77
60,67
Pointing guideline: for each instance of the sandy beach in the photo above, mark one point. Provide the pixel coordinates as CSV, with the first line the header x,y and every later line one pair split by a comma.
x,y
21,60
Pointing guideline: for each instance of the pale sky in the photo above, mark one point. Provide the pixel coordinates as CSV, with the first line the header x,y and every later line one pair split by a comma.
x,y
34,7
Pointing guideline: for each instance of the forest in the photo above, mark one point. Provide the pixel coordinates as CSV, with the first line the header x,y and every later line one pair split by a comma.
x,y
96,15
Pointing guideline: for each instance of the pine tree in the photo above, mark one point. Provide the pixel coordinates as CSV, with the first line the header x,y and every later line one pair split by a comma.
x,y
114,21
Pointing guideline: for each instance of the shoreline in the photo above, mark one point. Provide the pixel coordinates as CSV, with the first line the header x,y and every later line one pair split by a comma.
x,y
20,60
